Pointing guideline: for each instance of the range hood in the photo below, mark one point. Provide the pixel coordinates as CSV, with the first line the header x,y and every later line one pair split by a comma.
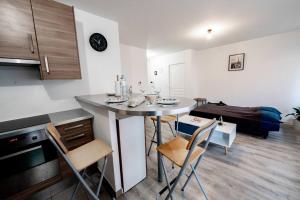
x,y
18,62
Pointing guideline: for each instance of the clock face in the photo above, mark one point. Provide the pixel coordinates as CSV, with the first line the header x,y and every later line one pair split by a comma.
x,y
98,42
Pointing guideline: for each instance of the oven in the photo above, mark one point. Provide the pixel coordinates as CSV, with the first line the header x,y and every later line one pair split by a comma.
x,y
27,158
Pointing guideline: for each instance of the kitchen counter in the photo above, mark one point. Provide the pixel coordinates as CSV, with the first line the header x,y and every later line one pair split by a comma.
x,y
99,100
69,116
123,128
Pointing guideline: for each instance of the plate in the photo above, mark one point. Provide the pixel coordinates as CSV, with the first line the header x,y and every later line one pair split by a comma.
x,y
110,94
115,100
167,101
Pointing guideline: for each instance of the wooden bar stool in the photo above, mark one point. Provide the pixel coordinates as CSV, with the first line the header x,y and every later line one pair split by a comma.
x,y
164,119
200,101
80,158
183,152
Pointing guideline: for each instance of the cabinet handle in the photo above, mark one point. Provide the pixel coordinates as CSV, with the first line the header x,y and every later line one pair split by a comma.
x,y
73,127
31,43
74,137
47,65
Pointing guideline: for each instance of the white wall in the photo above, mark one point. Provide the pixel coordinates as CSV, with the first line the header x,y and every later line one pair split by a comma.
x,y
270,78
22,94
161,65
134,65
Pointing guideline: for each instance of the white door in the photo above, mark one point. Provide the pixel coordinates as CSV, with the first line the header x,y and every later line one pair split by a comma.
x,y
176,79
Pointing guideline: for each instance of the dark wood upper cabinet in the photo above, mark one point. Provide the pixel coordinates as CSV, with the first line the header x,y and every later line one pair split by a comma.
x,y
56,38
17,34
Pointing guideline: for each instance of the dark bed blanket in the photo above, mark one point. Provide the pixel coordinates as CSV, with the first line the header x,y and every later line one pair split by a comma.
x,y
254,120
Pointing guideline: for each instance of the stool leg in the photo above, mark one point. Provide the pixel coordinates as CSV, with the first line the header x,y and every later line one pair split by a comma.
x,y
101,177
75,190
152,141
176,181
76,187
177,124
198,180
166,176
174,134
190,176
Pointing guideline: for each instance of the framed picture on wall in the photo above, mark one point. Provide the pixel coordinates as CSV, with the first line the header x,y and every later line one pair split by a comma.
x,y
236,62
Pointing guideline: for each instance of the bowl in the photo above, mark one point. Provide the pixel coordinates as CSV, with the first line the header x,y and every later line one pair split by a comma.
x,y
151,98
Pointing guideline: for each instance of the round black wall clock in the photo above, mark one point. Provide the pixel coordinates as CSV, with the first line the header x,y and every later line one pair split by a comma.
x,y
98,42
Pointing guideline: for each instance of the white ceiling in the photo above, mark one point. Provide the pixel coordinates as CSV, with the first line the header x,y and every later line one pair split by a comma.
x,y
172,25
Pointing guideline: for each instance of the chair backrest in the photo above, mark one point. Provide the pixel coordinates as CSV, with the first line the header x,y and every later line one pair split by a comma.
x,y
201,134
57,137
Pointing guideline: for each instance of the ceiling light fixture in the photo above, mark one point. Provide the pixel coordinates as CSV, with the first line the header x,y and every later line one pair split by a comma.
x,y
209,34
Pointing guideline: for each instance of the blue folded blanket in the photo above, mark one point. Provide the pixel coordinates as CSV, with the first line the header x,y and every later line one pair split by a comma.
x,y
270,115
270,109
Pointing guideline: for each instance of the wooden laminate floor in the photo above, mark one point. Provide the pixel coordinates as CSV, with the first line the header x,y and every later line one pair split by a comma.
x,y
265,169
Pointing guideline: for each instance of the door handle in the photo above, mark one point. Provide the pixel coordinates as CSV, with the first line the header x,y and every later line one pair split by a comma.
x,y
74,137
47,64
30,39
74,127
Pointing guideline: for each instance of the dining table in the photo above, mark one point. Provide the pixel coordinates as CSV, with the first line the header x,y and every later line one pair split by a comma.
x,y
182,105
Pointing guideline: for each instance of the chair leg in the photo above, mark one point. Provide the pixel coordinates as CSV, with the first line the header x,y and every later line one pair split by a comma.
x,y
77,185
177,124
198,180
174,134
75,190
152,140
166,176
176,181
101,177
190,176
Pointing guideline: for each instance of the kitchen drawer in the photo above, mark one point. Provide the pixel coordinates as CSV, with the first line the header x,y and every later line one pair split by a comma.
x,y
76,134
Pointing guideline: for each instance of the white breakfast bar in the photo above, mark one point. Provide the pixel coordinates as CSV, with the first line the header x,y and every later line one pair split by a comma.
x,y
123,128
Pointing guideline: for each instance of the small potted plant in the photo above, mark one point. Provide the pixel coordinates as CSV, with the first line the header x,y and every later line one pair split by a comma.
x,y
296,114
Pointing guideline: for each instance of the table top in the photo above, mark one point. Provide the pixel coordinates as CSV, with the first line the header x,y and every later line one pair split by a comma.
x,y
185,105
199,121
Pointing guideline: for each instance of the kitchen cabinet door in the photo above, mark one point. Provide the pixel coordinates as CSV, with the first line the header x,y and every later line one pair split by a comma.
x,y
57,41
17,35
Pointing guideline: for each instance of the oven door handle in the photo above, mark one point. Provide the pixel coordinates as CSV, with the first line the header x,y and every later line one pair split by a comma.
x,y
20,152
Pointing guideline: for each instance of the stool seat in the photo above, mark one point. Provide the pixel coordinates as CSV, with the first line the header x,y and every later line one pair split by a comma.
x,y
165,119
200,99
176,151
88,154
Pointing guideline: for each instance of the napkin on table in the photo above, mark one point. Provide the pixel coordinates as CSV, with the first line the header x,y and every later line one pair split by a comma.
x,y
135,101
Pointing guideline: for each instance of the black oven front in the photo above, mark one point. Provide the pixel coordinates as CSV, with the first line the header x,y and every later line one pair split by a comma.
x,y
25,160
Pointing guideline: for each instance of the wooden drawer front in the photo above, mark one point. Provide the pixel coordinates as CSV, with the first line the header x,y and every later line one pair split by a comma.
x,y
76,134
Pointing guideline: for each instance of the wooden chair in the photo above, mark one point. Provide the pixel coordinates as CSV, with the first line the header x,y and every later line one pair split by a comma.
x,y
80,158
183,152
166,120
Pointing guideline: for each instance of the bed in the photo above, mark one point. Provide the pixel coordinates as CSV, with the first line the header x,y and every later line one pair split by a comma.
x,y
257,121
